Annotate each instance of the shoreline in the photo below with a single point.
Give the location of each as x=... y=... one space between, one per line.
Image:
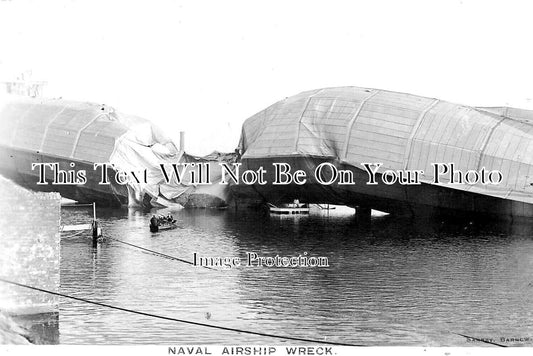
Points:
x=11 y=332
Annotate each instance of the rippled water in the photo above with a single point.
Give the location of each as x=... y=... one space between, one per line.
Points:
x=391 y=282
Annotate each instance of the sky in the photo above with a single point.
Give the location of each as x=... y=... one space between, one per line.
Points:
x=204 y=67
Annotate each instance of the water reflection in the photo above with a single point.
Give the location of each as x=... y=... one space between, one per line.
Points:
x=391 y=282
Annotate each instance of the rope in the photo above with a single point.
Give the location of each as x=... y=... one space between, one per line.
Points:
x=175 y=319
x=158 y=253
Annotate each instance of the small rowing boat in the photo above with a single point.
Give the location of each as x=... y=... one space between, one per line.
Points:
x=289 y=209
x=162 y=224
x=168 y=226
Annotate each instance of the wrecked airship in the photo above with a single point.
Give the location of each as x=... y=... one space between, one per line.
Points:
x=349 y=126
x=62 y=137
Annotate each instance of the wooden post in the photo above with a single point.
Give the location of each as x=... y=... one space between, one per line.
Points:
x=95 y=226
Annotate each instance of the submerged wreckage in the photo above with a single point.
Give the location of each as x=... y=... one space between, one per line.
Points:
x=344 y=127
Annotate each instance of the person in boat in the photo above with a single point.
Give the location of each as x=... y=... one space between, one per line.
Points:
x=154 y=224
x=295 y=204
x=170 y=218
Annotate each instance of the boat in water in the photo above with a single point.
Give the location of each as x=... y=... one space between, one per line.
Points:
x=162 y=223
x=290 y=209
x=165 y=226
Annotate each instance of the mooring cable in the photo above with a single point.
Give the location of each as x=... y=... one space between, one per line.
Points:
x=158 y=253
x=177 y=320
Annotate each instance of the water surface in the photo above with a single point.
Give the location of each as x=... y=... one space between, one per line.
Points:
x=390 y=282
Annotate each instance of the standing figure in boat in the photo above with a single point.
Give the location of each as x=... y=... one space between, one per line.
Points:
x=154 y=224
